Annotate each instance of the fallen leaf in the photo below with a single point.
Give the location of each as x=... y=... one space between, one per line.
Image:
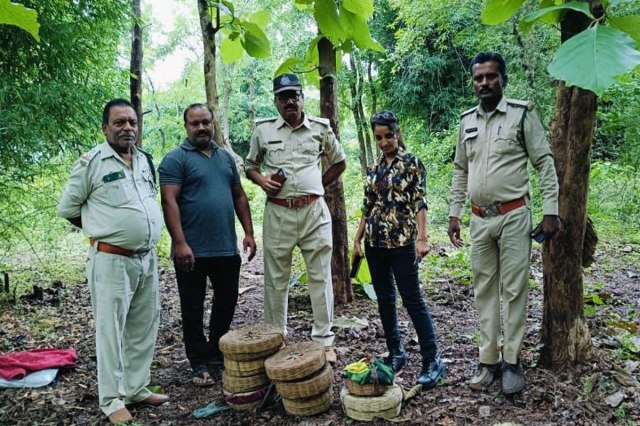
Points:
x=615 y=399
x=484 y=411
x=246 y=289
x=353 y=322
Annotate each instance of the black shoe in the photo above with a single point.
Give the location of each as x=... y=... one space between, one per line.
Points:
x=397 y=358
x=512 y=378
x=432 y=372
x=485 y=375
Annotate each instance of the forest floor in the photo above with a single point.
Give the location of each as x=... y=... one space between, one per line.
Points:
x=602 y=391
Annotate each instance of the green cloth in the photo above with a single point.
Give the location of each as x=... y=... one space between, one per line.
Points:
x=378 y=372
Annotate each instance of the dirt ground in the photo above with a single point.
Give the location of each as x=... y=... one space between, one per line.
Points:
x=604 y=391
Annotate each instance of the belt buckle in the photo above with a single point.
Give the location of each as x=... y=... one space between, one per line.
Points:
x=140 y=253
x=290 y=202
x=491 y=211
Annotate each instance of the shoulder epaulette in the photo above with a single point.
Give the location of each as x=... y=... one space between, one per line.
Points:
x=522 y=104
x=324 y=121
x=86 y=158
x=265 y=120
x=469 y=111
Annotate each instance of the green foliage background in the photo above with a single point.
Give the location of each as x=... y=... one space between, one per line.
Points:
x=52 y=94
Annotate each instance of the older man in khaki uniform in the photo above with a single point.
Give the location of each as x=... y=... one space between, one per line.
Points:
x=495 y=141
x=289 y=148
x=111 y=196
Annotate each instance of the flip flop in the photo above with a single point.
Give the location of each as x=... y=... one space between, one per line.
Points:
x=201 y=377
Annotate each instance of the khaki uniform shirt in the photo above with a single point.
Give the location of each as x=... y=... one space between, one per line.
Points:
x=491 y=158
x=117 y=204
x=275 y=145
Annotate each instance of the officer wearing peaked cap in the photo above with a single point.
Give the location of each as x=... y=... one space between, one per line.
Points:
x=284 y=160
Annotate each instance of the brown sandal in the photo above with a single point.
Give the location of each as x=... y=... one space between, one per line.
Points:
x=201 y=377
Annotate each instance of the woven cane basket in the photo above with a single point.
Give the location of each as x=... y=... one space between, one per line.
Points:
x=366 y=408
x=244 y=368
x=245 y=401
x=295 y=362
x=233 y=384
x=309 y=406
x=369 y=389
x=251 y=342
x=305 y=388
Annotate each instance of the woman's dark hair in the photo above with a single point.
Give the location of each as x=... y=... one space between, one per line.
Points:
x=388 y=119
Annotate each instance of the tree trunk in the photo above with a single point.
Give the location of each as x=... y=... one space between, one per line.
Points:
x=209 y=41
x=372 y=87
x=334 y=193
x=565 y=336
x=365 y=120
x=135 y=67
x=357 y=118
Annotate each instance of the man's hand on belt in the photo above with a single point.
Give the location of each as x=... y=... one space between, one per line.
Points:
x=184 y=258
x=550 y=225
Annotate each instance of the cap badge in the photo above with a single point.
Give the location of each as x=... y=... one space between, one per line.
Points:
x=285 y=80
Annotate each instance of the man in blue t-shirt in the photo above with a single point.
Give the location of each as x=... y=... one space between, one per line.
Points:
x=201 y=190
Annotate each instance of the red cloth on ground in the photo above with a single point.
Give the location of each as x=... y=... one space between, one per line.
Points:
x=16 y=365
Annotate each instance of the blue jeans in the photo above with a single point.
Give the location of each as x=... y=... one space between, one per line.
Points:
x=398 y=267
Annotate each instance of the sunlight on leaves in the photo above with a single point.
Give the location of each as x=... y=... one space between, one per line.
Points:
x=498 y=11
x=20 y=16
x=594 y=58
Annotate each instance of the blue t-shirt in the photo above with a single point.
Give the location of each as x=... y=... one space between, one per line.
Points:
x=206 y=199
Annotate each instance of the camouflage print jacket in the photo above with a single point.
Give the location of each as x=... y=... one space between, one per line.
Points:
x=393 y=196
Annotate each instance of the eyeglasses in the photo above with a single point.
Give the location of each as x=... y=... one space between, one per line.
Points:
x=384 y=117
x=285 y=96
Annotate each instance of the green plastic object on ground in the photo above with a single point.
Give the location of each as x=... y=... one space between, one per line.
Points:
x=368 y=371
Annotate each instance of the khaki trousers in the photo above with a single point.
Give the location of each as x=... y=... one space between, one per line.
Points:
x=500 y=251
x=126 y=310
x=309 y=228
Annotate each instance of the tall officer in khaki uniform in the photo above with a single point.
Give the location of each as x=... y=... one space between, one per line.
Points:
x=111 y=196
x=495 y=141
x=296 y=213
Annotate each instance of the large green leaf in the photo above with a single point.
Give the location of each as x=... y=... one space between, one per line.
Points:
x=328 y=21
x=628 y=24
x=362 y=8
x=261 y=18
x=231 y=50
x=224 y=7
x=255 y=41
x=498 y=11
x=358 y=30
x=554 y=14
x=594 y=58
x=290 y=65
x=20 y=16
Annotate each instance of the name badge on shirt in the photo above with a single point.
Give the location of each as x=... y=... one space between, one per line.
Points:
x=113 y=176
x=274 y=142
x=471 y=130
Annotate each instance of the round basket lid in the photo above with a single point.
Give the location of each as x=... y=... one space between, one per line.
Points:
x=314 y=385
x=296 y=361
x=256 y=338
x=233 y=384
x=374 y=405
x=309 y=406
x=244 y=368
